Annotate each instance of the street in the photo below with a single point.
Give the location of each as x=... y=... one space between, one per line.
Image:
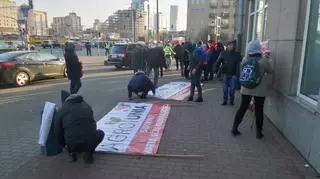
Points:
x=201 y=129
x=102 y=87
x=59 y=51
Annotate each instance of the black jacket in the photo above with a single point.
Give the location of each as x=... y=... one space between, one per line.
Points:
x=74 y=122
x=74 y=67
x=230 y=61
x=156 y=57
x=140 y=82
x=179 y=50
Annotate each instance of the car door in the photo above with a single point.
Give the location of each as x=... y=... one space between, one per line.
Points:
x=32 y=62
x=52 y=65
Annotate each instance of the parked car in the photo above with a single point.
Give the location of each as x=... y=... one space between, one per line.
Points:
x=22 y=67
x=50 y=43
x=119 y=55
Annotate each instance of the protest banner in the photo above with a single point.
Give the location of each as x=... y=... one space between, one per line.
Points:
x=133 y=128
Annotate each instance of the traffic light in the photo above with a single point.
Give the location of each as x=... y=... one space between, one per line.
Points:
x=31 y=4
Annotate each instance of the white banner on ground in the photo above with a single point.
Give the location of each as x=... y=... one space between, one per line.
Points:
x=133 y=128
x=46 y=121
x=173 y=90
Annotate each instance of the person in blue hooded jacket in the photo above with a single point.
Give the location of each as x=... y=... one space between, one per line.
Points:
x=198 y=57
x=140 y=83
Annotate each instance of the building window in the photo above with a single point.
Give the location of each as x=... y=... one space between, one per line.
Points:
x=310 y=81
x=258 y=20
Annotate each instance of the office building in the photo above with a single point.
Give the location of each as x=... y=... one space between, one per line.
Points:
x=214 y=18
x=163 y=26
x=290 y=29
x=173 y=17
x=37 y=23
x=69 y=25
x=9 y=16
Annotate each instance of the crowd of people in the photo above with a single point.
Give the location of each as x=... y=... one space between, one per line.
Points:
x=76 y=129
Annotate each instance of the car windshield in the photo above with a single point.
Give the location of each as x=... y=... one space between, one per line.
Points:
x=7 y=56
x=117 y=49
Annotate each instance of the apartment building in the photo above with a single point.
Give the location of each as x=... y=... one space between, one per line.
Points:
x=37 y=23
x=8 y=16
x=68 y=25
x=215 y=18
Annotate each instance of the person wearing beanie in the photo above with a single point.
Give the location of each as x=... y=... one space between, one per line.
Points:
x=75 y=127
x=230 y=61
x=258 y=92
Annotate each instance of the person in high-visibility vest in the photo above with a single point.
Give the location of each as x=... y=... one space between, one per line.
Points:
x=108 y=47
x=167 y=54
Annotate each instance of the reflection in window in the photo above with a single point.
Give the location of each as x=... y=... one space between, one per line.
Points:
x=310 y=84
x=259 y=25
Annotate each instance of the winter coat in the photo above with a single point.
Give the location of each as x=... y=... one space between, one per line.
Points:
x=74 y=67
x=156 y=57
x=74 y=122
x=179 y=50
x=140 y=82
x=266 y=68
x=230 y=61
x=198 y=57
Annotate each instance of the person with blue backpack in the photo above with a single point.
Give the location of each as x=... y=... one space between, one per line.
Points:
x=198 y=57
x=253 y=85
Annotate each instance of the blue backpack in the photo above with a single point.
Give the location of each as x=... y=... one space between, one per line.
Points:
x=250 y=76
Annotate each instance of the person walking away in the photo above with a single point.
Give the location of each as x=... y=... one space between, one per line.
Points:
x=108 y=47
x=140 y=83
x=167 y=54
x=213 y=57
x=179 y=52
x=230 y=61
x=75 y=127
x=254 y=85
x=88 y=47
x=205 y=66
x=188 y=48
x=198 y=57
x=155 y=61
x=74 y=68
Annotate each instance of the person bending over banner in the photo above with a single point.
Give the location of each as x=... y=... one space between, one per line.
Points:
x=140 y=83
x=75 y=127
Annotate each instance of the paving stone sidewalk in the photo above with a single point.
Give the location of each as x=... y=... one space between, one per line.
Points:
x=202 y=129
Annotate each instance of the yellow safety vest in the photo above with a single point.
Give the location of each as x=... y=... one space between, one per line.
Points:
x=167 y=51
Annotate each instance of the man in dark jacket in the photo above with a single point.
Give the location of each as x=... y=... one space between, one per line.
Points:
x=230 y=60
x=74 y=68
x=76 y=128
x=88 y=47
x=140 y=83
x=198 y=57
x=155 y=62
x=179 y=53
x=188 y=49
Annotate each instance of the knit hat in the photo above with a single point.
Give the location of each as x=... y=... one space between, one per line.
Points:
x=254 y=47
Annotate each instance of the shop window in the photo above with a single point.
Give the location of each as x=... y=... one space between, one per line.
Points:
x=310 y=81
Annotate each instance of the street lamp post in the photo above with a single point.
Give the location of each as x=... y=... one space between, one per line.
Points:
x=158 y=21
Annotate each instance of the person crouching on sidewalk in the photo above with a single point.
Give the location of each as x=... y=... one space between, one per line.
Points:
x=75 y=127
x=140 y=83
x=198 y=58
x=258 y=91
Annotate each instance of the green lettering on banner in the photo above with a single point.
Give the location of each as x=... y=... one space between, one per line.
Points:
x=117 y=138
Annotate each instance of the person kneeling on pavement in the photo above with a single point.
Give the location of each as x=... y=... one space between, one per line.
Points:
x=75 y=127
x=140 y=83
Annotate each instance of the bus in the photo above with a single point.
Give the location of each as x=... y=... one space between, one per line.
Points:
x=37 y=40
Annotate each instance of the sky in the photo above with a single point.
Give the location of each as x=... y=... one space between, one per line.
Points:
x=101 y=9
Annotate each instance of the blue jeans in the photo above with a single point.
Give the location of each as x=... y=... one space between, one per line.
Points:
x=229 y=87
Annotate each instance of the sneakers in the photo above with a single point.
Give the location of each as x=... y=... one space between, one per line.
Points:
x=224 y=103
x=235 y=132
x=199 y=100
x=88 y=158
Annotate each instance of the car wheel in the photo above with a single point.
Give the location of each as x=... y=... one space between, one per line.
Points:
x=65 y=74
x=118 y=66
x=22 y=79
